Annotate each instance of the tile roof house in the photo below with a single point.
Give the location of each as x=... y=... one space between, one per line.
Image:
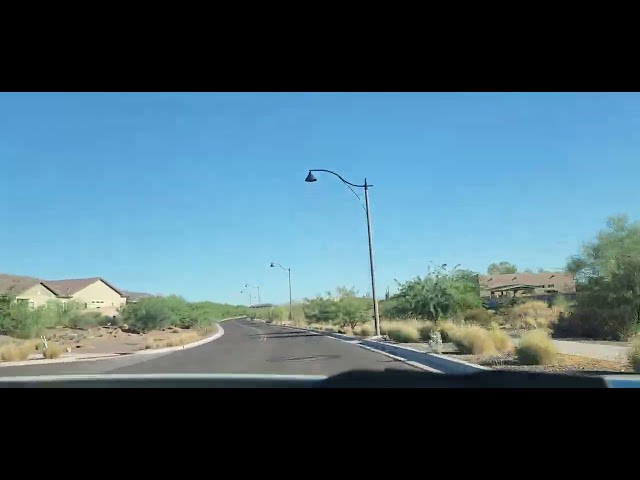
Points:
x=534 y=283
x=94 y=292
x=26 y=289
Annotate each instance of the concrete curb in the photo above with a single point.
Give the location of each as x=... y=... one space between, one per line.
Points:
x=428 y=361
x=109 y=356
x=213 y=337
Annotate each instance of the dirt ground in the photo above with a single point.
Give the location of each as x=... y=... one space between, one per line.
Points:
x=565 y=364
x=113 y=339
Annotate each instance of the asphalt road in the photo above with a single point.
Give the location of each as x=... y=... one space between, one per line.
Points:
x=246 y=347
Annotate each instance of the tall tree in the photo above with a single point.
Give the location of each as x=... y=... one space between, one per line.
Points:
x=609 y=251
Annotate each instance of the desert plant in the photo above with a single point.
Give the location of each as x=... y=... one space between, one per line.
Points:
x=402 y=332
x=634 y=354
x=364 y=330
x=446 y=327
x=426 y=330
x=479 y=316
x=14 y=352
x=536 y=348
x=53 y=350
x=501 y=340
x=532 y=315
x=474 y=340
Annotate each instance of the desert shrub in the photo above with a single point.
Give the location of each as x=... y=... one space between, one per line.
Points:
x=536 y=348
x=501 y=341
x=634 y=354
x=425 y=329
x=364 y=330
x=403 y=332
x=53 y=350
x=446 y=328
x=473 y=340
x=479 y=316
x=605 y=324
x=15 y=352
x=532 y=315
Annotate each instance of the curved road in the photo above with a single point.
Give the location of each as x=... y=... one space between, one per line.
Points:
x=245 y=347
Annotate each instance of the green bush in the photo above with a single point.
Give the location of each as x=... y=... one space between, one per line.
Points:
x=479 y=316
x=161 y=312
x=604 y=324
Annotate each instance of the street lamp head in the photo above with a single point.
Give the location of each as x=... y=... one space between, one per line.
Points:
x=310 y=178
x=272 y=265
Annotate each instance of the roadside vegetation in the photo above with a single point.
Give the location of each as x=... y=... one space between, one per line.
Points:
x=154 y=322
x=444 y=307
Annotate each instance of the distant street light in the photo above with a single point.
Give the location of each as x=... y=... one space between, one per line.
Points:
x=274 y=264
x=250 y=302
x=246 y=285
x=310 y=178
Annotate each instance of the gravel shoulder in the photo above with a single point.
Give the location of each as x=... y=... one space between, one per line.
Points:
x=566 y=364
x=612 y=358
x=108 y=340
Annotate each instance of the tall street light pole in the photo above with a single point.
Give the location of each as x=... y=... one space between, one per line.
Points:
x=246 y=285
x=310 y=178
x=288 y=270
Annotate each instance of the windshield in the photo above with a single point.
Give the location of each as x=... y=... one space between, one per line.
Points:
x=319 y=233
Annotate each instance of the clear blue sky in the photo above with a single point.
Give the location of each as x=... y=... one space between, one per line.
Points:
x=197 y=193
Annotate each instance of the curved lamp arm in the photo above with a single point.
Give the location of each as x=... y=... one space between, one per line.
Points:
x=334 y=173
x=274 y=264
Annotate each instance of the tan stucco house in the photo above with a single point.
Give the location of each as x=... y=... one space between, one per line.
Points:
x=29 y=290
x=91 y=293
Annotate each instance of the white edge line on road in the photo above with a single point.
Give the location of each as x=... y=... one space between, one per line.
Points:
x=403 y=360
x=217 y=335
x=457 y=360
x=112 y=356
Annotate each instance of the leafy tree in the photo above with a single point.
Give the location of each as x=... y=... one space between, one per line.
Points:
x=345 y=307
x=620 y=240
x=438 y=294
x=608 y=272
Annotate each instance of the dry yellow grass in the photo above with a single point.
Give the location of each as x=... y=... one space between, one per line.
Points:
x=479 y=316
x=536 y=348
x=15 y=352
x=53 y=350
x=634 y=354
x=403 y=332
x=346 y=330
x=425 y=329
x=173 y=341
x=533 y=315
x=473 y=340
x=365 y=330
x=446 y=327
x=501 y=341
